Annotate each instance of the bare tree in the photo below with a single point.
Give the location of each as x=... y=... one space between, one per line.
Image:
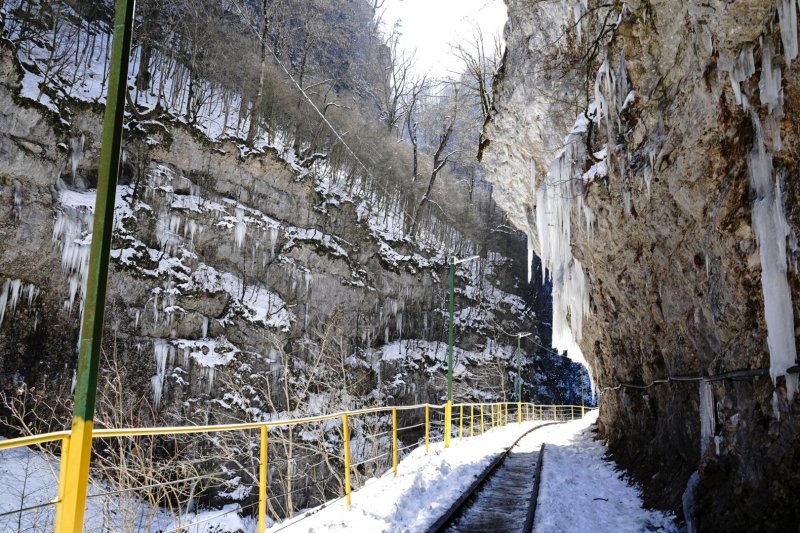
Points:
x=480 y=67
x=395 y=82
x=441 y=155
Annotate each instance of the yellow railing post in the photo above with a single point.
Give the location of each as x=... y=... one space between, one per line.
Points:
x=62 y=472
x=394 y=441
x=448 y=422
x=427 y=425
x=519 y=412
x=346 y=437
x=491 y=411
x=583 y=410
x=471 y=420
x=262 y=483
x=460 y=422
x=571 y=412
x=482 y=427
x=508 y=419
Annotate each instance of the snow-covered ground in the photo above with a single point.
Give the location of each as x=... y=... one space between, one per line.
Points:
x=580 y=491
x=576 y=481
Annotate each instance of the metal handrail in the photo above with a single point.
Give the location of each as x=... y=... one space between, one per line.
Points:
x=484 y=415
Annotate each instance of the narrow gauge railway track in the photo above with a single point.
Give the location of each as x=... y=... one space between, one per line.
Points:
x=502 y=497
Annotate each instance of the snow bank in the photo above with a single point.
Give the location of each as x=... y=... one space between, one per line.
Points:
x=581 y=491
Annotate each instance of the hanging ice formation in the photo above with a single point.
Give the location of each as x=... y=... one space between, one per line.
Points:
x=240 y=230
x=554 y=204
x=163 y=352
x=707 y=418
x=771 y=229
x=11 y=292
x=76 y=155
x=768 y=216
x=73 y=230
x=17 y=200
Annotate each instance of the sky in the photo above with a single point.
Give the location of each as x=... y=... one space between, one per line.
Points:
x=431 y=26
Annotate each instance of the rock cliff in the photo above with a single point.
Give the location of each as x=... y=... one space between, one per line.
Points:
x=650 y=151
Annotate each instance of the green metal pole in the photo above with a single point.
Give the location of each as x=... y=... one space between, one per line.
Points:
x=450 y=331
x=80 y=448
x=448 y=410
x=519 y=370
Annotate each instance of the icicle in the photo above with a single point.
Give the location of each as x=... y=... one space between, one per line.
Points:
x=707 y=418
x=17 y=200
x=4 y=299
x=743 y=67
x=529 y=235
x=787 y=15
x=240 y=229
x=73 y=230
x=622 y=86
x=273 y=239
x=771 y=229
x=770 y=91
x=554 y=202
x=76 y=154
x=162 y=351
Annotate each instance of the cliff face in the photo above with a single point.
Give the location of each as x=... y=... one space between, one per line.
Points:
x=650 y=150
x=231 y=269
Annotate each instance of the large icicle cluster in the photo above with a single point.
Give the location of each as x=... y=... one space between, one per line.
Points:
x=10 y=293
x=558 y=193
x=768 y=216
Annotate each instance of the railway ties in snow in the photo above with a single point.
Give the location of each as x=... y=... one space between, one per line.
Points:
x=503 y=497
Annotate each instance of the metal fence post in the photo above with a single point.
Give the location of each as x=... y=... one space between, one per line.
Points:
x=262 y=483
x=394 y=441
x=448 y=422
x=62 y=472
x=460 y=422
x=519 y=412
x=482 y=427
x=346 y=437
x=427 y=426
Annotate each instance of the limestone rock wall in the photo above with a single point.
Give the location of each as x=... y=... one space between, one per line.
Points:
x=228 y=268
x=667 y=130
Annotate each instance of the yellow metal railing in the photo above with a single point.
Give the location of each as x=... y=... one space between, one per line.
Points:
x=469 y=414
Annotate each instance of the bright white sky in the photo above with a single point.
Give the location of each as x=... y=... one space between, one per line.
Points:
x=431 y=26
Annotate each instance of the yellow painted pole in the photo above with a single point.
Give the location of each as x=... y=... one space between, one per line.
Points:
x=448 y=422
x=519 y=412
x=62 y=472
x=394 y=441
x=346 y=437
x=491 y=411
x=482 y=428
x=460 y=422
x=262 y=483
x=427 y=426
x=506 y=418
x=471 y=420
